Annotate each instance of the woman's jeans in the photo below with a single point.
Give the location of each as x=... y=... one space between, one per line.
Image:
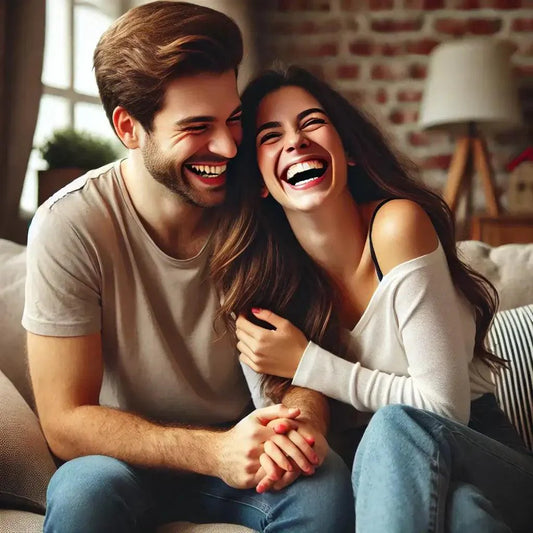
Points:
x=100 y=494
x=417 y=472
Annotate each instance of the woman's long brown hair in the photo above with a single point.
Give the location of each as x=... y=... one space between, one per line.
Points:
x=258 y=262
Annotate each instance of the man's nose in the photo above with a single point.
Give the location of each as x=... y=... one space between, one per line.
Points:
x=224 y=143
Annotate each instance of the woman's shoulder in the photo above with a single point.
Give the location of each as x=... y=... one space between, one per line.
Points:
x=401 y=231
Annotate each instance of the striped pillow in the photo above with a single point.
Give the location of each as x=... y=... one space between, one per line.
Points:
x=511 y=337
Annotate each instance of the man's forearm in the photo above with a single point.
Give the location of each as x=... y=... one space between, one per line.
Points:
x=98 y=430
x=313 y=406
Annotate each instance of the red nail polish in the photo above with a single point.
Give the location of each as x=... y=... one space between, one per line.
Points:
x=256 y=310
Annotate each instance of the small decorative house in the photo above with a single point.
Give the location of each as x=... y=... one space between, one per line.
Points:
x=520 y=189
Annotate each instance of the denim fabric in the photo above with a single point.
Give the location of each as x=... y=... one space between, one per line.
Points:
x=415 y=471
x=100 y=494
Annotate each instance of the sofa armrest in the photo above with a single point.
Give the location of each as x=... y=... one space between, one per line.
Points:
x=26 y=464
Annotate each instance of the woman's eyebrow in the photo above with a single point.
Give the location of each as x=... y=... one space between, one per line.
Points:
x=303 y=114
x=266 y=126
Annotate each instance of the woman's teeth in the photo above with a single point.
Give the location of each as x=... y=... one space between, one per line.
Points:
x=301 y=173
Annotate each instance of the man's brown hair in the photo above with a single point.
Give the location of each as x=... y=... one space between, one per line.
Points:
x=155 y=43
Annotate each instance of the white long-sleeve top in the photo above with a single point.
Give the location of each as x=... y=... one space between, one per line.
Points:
x=414 y=345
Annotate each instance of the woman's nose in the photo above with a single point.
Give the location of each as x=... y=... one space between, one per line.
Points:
x=296 y=140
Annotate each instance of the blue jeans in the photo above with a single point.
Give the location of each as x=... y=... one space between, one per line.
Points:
x=415 y=471
x=99 y=494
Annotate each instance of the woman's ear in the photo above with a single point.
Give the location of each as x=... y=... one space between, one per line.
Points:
x=350 y=160
x=264 y=191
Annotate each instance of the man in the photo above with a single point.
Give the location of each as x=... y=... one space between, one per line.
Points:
x=136 y=391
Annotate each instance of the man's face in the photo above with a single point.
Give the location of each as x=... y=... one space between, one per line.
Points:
x=194 y=135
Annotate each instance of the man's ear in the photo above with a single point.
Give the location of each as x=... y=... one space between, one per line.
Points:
x=350 y=160
x=127 y=128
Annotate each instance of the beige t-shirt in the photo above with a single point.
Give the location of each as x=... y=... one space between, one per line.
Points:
x=93 y=267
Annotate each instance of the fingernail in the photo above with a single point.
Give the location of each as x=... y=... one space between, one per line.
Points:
x=256 y=310
x=260 y=489
x=280 y=428
x=310 y=441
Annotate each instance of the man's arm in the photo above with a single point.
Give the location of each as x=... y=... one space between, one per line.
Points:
x=67 y=373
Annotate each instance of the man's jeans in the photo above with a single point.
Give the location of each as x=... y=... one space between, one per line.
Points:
x=418 y=472
x=100 y=494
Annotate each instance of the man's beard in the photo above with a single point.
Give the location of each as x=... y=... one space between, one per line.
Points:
x=164 y=172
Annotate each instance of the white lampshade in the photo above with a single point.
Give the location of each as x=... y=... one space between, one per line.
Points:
x=470 y=80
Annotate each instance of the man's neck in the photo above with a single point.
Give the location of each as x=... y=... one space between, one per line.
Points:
x=179 y=229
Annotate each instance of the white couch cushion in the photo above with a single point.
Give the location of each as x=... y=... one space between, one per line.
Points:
x=509 y=267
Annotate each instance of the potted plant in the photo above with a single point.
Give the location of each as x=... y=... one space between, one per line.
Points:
x=70 y=153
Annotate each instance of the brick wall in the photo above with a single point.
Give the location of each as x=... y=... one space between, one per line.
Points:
x=376 y=53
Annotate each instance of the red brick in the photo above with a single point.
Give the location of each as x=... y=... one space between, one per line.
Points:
x=303 y=5
x=436 y=162
x=465 y=4
x=381 y=96
x=421 y=138
x=416 y=138
x=347 y=71
x=478 y=26
x=390 y=49
x=373 y=5
x=390 y=25
x=361 y=47
x=316 y=70
x=523 y=71
x=424 y=4
x=387 y=72
x=506 y=4
x=421 y=47
x=409 y=95
x=522 y=25
x=403 y=116
x=418 y=72
x=450 y=26
x=356 y=96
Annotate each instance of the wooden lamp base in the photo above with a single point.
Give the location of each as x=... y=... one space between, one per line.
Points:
x=471 y=149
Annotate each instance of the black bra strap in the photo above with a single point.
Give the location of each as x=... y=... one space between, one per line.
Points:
x=372 y=252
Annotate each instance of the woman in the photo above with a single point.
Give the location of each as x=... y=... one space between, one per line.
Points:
x=352 y=267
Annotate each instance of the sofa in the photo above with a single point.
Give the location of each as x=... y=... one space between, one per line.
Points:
x=26 y=464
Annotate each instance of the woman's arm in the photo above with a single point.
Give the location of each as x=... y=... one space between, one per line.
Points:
x=437 y=338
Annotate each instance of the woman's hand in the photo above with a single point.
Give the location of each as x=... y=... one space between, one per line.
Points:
x=276 y=352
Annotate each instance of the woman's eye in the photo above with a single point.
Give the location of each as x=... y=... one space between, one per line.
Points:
x=267 y=137
x=313 y=121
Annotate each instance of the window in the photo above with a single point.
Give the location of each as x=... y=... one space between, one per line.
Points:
x=70 y=96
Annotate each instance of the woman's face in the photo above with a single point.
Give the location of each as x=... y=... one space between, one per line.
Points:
x=299 y=152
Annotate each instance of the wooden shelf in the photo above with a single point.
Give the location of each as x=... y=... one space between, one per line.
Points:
x=502 y=229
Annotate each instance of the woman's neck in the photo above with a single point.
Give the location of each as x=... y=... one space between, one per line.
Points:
x=333 y=235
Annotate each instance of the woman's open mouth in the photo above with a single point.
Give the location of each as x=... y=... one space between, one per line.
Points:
x=305 y=173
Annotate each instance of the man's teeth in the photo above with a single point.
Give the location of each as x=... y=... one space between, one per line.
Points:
x=302 y=167
x=209 y=171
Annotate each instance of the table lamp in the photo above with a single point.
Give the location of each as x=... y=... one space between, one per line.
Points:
x=470 y=89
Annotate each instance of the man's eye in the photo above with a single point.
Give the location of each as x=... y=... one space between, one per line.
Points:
x=199 y=128
x=268 y=137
